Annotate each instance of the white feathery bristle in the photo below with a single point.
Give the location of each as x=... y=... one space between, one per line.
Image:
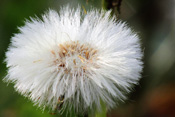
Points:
x=74 y=60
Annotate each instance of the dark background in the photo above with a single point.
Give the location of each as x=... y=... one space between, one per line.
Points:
x=153 y=20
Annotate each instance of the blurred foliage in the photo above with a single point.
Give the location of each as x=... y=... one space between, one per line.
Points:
x=154 y=20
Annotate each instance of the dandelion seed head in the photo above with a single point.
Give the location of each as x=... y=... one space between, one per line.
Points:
x=73 y=60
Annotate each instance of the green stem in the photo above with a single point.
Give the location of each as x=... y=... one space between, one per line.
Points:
x=104 y=4
x=103 y=111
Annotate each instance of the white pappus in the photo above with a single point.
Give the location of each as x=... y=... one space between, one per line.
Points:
x=74 y=60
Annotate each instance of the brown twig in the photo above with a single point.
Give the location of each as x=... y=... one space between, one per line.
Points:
x=115 y=5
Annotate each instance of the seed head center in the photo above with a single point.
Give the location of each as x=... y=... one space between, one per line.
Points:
x=74 y=55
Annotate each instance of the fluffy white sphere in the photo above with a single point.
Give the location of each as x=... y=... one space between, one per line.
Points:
x=74 y=60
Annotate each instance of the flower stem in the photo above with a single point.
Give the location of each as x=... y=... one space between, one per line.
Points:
x=103 y=111
x=104 y=4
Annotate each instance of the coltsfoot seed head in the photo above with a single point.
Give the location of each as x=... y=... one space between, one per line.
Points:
x=74 y=60
x=73 y=56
